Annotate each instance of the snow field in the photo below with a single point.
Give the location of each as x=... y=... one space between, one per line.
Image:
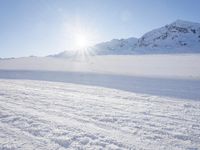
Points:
x=50 y=115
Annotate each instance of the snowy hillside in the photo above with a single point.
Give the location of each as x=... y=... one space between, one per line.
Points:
x=177 y=37
x=44 y=115
x=115 y=46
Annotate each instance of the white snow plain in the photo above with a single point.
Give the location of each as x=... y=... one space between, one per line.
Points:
x=165 y=66
x=100 y=102
x=50 y=115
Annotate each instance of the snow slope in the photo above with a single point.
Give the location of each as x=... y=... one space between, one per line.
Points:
x=115 y=46
x=45 y=115
x=177 y=37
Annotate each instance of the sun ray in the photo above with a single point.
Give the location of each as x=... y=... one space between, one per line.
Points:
x=82 y=41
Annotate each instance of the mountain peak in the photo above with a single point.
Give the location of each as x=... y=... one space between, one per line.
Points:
x=183 y=23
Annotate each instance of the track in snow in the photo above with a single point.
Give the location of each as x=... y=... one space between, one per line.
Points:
x=47 y=115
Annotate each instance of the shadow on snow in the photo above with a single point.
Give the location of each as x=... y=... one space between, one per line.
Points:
x=177 y=88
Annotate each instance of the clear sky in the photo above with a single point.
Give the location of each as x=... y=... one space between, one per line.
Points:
x=42 y=27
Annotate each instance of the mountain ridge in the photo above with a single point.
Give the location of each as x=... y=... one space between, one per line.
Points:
x=178 y=37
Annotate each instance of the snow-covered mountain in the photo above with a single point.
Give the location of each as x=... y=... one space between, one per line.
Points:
x=116 y=46
x=177 y=37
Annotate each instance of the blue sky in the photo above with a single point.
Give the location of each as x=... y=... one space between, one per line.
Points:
x=42 y=27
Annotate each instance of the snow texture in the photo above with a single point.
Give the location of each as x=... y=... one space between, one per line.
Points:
x=47 y=115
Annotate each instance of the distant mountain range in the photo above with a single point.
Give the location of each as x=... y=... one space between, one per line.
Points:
x=177 y=37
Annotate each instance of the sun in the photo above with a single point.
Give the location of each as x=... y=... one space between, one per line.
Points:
x=82 y=41
x=80 y=36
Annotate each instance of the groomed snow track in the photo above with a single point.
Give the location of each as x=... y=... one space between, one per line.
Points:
x=49 y=115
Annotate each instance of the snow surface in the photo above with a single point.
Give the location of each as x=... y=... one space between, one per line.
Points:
x=177 y=88
x=163 y=66
x=48 y=115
